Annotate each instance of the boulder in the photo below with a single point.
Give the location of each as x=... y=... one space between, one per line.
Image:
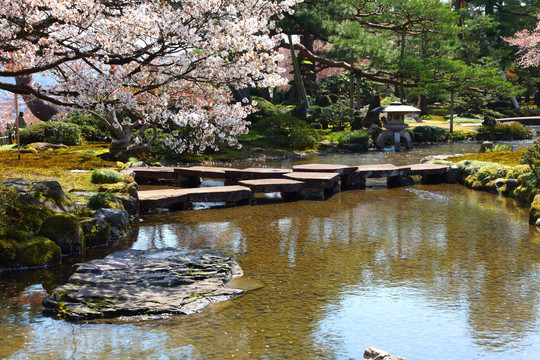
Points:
x=486 y=145
x=48 y=194
x=96 y=232
x=130 y=204
x=37 y=252
x=44 y=146
x=64 y=230
x=156 y=282
x=376 y=354
x=117 y=219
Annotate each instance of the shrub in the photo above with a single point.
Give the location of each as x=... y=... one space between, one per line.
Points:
x=532 y=158
x=357 y=139
x=336 y=115
x=425 y=133
x=462 y=134
x=512 y=131
x=106 y=176
x=92 y=129
x=499 y=147
x=54 y=132
x=101 y=200
x=264 y=109
x=289 y=131
x=492 y=113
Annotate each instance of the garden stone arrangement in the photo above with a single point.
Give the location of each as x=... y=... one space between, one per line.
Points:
x=155 y=282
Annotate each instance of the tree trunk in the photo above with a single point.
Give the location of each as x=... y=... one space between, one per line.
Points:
x=39 y=108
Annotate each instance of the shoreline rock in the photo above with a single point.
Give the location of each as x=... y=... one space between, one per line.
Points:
x=145 y=283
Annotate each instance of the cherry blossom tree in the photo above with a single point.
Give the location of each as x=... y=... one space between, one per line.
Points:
x=528 y=43
x=144 y=64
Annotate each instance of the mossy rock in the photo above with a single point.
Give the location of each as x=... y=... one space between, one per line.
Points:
x=534 y=212
x=8 y=253
x=96 y=233
x=121 y=187
x=37 y=252
x=64 y=229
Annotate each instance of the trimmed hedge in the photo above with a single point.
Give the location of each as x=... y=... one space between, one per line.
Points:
x=54 y=132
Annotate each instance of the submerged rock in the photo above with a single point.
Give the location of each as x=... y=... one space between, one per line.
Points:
x=376 y=354
x=152 y=282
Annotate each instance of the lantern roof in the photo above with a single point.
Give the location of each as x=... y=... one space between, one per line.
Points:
x=396 y=107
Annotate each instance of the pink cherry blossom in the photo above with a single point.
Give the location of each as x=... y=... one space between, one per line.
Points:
x=159 y=61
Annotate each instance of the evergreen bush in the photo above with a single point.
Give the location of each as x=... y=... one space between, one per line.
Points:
x=512 y=131
x=54 y=132
x=462 y=134
x=426 y=133
x=92 y=129
x=360 y=140
x=288 y=131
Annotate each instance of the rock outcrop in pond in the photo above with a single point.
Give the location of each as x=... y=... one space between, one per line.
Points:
x=152 y=282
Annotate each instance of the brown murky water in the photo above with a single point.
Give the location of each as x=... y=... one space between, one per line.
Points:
x=426 y=272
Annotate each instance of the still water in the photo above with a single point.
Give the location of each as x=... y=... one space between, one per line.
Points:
x=425 y=272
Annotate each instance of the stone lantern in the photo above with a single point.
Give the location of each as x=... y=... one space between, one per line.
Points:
x=395 y=125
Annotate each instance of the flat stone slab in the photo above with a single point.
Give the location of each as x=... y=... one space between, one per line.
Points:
x=209 y=172
x=164 y=198
x=228 y=194
x=340 y=169
x=154 y=173
x=383 y=170
x=322 y=180
x=273 y=185
x=153 y=283
x=428 y=169
x=256 y=173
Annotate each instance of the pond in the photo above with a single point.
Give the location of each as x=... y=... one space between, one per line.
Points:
x=425 y=272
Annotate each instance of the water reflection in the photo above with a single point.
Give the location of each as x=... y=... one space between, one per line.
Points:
x=458 y=267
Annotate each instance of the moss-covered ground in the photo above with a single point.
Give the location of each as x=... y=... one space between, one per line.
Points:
x=56 y=165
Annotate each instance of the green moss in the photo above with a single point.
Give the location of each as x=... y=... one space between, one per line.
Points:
x=38 y=251
x=534 y=212
x=94 y=234
x=106 y=176
x=104 y=200
x=65 y=230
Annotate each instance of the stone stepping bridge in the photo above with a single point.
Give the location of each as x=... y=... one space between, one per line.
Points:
x=308 y=181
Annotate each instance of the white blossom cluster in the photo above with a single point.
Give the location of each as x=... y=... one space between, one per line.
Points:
x=160 y=60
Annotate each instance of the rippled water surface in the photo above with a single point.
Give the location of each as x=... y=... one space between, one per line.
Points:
x=425 y=272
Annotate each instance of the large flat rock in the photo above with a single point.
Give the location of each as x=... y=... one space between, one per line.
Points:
x=164 y=198
x=382 y=170
x=256 y=173
x=340 y=169
x=322 y=180
x=153 y=173
x=428 y=169
x=228 y=194
x=153 y=282
x=273 y=185
x=209 y=172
